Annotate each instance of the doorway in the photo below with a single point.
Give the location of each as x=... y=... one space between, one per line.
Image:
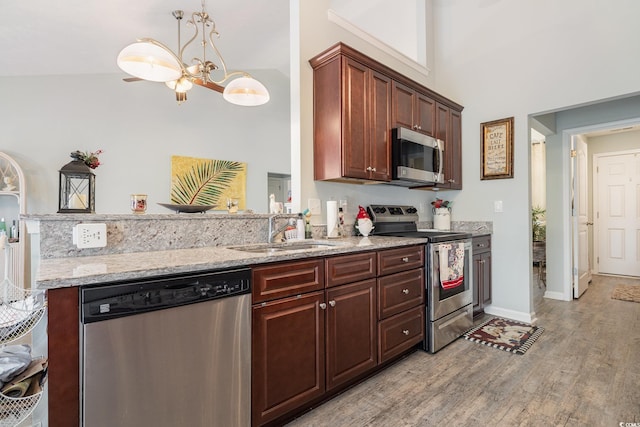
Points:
x=600 y=139
x=280 y=186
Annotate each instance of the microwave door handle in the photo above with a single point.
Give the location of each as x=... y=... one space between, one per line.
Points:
x=440 y=144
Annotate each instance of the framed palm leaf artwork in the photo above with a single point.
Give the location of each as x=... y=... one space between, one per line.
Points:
x=209 y=182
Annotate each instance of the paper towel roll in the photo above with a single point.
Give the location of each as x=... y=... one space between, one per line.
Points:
x=332 y=218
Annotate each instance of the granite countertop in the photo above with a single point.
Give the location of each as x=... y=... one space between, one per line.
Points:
x=86 y=270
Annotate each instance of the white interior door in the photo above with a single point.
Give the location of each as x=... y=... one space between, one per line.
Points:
x=618 y=216
x=582 y=267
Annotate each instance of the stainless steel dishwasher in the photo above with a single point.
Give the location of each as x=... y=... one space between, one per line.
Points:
x=168 y=352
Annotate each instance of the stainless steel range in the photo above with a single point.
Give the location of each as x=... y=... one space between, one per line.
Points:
x=448 y=272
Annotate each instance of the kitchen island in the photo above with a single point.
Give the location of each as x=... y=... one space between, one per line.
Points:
x=63 y=277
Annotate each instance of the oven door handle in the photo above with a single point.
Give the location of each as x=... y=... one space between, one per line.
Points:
x=450 y=321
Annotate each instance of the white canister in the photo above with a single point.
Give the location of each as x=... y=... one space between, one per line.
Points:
x=442 y=219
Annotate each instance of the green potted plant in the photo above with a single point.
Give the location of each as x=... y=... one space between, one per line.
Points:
x=538 y=224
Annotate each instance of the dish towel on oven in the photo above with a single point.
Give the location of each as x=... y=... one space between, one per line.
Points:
x=451 y=265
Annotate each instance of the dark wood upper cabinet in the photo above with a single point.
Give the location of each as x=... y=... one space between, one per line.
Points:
x=357 y=101
x=412 y=109
x=449 y=129
x=351 y=122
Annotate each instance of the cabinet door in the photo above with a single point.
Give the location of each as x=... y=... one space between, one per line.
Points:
x=403 y=102
x=486 y=279
x=287 y=355
x=379 y=127
x=477 y=282
x=355 y=158
x=481 y=282
x=351 y=338
x=425 y=112
x=455 y=150
x=443 y=117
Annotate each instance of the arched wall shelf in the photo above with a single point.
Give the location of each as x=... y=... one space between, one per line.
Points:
x=13 y=200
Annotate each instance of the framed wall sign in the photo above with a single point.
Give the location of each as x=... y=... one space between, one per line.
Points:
x=497 y=149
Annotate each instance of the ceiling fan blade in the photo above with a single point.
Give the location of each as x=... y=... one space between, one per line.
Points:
x=208 y=85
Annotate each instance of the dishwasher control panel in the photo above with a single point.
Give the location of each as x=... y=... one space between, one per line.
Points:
x=109 y=301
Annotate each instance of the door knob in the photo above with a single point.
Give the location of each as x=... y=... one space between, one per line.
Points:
x=323 y=305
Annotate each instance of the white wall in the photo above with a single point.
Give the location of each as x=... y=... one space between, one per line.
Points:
x=498 y=59
x=316 y=35
x=502 y=59
x=139 y=126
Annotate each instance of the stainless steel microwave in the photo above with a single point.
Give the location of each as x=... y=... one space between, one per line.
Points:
x=416 y=159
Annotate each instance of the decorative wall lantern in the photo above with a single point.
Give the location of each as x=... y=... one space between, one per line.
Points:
x=77 y=188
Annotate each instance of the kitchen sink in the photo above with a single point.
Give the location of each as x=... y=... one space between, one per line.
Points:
x=272 y=248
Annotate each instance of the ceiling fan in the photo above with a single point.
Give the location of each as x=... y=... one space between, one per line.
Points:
x=151 y=60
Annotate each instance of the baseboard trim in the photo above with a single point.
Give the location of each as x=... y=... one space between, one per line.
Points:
x=509 y=314
x=555 y=295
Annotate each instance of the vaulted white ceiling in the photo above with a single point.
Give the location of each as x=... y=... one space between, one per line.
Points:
x=41 y=37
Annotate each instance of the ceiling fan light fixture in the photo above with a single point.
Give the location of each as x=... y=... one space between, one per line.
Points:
x=246 y=91
x=149 y=61
x=183 y=84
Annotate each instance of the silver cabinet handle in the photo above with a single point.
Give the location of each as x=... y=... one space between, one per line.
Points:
x=415 y=126
x=419 y=127
x=453 y=181
x=405 y=291
x=406 y=332
x=373 y=169
x=332 y=303
x=323 y=305
x=405 y=259
x=369 y=168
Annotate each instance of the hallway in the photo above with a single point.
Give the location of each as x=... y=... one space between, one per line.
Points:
x=584 y=370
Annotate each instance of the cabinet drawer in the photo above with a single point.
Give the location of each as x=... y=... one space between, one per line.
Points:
x=287 y=279
x=400 y=332
x=350 y=268
x=401 y=259
x=399 y=292
x=481 y=244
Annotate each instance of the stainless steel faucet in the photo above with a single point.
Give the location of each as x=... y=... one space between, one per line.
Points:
x=273 y=231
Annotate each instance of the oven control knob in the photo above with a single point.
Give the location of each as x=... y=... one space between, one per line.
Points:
x=412 y=210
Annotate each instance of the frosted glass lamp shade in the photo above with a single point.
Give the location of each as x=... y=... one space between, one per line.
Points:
x=246 y=91
x=149 y=61
x=181 y=85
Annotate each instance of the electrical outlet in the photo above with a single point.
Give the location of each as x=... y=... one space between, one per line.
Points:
x=90 y=235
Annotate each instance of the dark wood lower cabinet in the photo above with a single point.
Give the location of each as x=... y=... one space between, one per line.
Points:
x=351 y=340
x=481 y=273
x=305 y=345
x=63 y=333
x=308 y=347
x=287 y=353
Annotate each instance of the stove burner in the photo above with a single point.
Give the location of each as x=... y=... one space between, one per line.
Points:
x=401 y=221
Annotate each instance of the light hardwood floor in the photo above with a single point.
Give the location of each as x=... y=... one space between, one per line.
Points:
x=584 y=370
